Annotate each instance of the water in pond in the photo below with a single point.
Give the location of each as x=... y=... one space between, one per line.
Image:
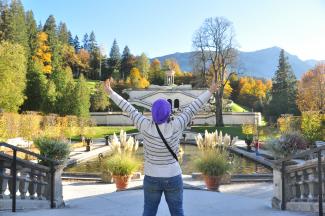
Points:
x=243 y=165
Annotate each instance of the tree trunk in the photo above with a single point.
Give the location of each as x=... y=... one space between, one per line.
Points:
x=218 y=112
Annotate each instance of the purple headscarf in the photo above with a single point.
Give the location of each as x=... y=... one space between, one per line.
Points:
x=160 y=111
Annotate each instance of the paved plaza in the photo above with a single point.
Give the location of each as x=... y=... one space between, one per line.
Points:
x=96 y=199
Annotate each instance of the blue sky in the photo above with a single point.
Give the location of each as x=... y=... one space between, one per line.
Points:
x=160 y=27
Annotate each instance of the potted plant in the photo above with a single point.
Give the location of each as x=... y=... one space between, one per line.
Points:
x=248 y=130
x=59 y=150
x=214 y=160
x=214 y=165
x=121 y=166
x=122 y=163
x=55 y=149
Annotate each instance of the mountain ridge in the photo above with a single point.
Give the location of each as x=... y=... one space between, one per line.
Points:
x=259 y=63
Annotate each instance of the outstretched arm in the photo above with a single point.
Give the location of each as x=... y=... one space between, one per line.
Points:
x=138 y=119
x=185 y=117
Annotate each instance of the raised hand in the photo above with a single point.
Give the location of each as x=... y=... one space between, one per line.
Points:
x=214 y=86
x=107 y=86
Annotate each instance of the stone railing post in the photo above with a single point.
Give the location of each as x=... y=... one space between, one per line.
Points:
x=277 y=189
x=58 y=190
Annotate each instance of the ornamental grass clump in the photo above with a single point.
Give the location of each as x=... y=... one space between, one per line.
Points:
x=121 y=165
x=214 y=163
x=124 y=145
x=212 y=140
x=123 y=161
x=214 y=157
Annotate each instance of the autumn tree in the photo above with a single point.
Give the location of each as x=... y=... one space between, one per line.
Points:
x=83 y=62
x=136 y=80
x=253 y=92
x=43 y=54
x=214 y=42
x=50 y=29
x=143 y=63
x=171 y=64
x=156 y=75
x=311 y=90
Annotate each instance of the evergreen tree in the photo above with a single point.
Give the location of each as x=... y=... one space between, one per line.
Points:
x=17 y=24
x=4 y=16
x=71 y=41
x=81 y=100
x=31 y=33
x=284 y=89
x=99 y=100
x=76 y=44
x=63 y=33
x=40 y=26
x=95 y=57
x=114 y=61
x=85 y=42
x=36 y=82
x=92 y=43
x=35 y=76
x=64 y=83
x=127 y=63
x=12 y=76
x=48 y=95
x=143 y=64
x=50 y=29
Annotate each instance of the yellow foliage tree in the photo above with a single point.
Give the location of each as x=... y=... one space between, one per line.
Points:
x=311 y=90
x=43 y=53
x=136 y=80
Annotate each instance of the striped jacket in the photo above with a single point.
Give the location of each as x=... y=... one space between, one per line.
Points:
x=158 y=160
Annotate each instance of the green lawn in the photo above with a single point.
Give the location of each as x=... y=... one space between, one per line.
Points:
x=91 y=84
x=236 y=108
x=101 y=131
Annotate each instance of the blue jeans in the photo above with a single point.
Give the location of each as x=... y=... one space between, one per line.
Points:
x=173 y=190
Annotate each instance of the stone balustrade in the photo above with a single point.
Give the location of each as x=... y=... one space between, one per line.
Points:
x=33 y=184
x=300 y=185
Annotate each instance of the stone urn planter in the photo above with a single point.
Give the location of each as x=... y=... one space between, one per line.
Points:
x=249 y=142
x=106 y=177
x=212 y=182
x=121 y=182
